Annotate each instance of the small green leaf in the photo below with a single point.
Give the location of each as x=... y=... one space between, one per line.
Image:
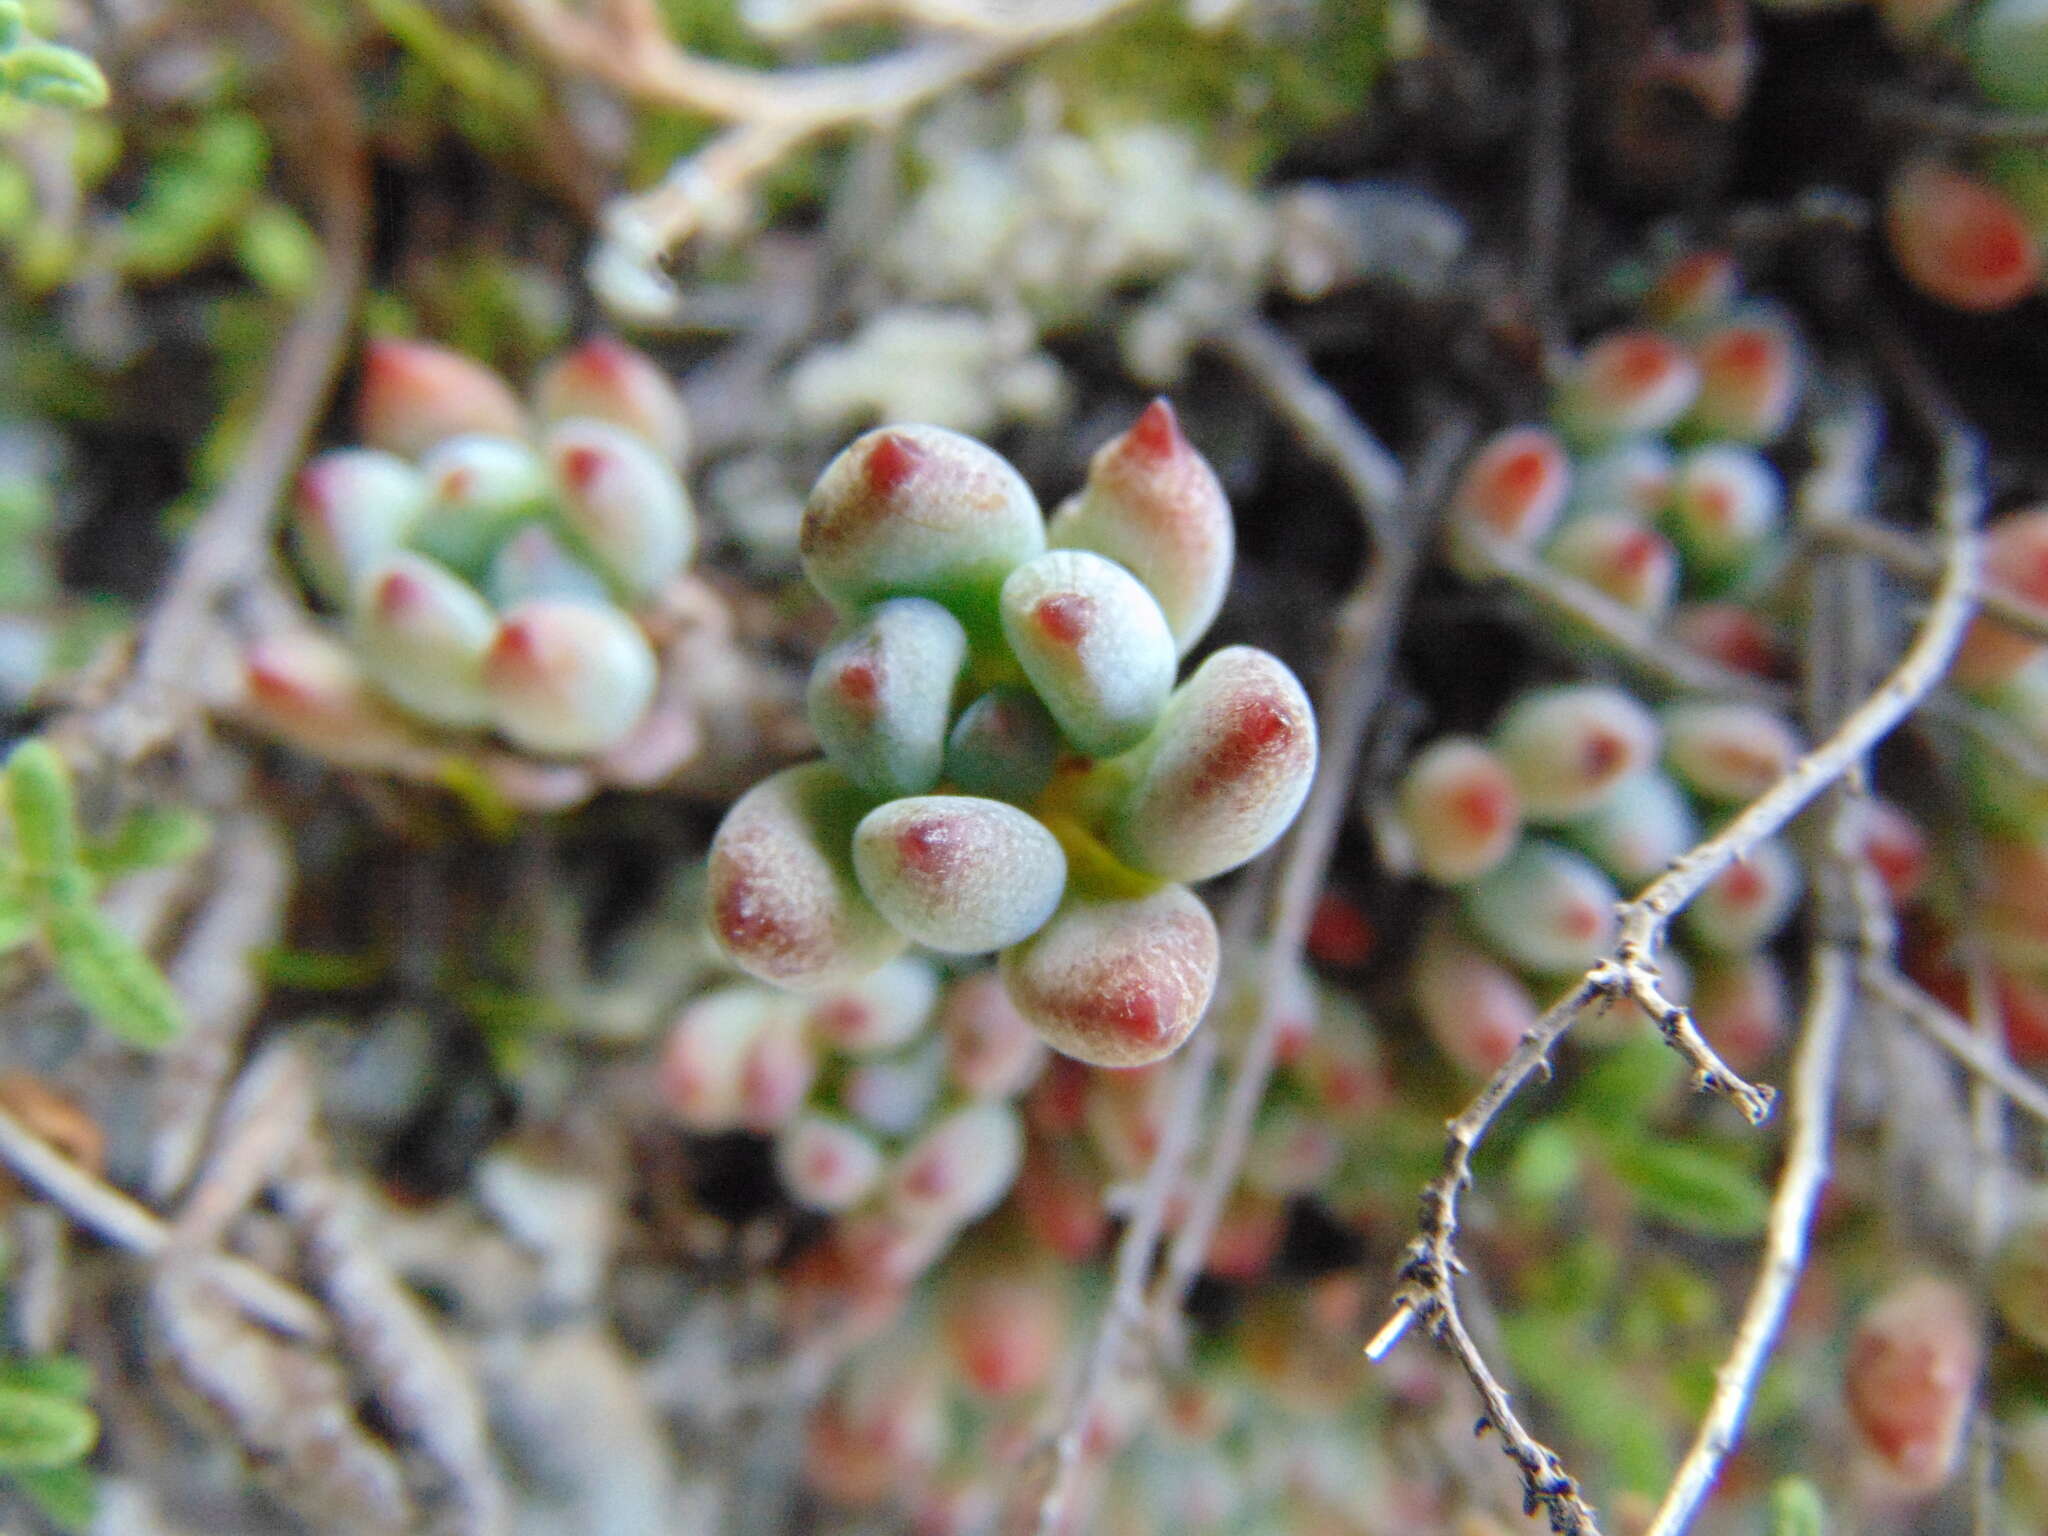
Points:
x=13 y=24
x=18 y=916
x=39 y=1429
x=1692 y=1186
x=1628 y=1081
x=44 y=809
x=277 y=249
x=117 y=983
x=69 y=1497
x=1546 y=1162
x=53 y=75
x=318 y=970
x=1796 y=1509
x=54 y=1375
x=150 y=836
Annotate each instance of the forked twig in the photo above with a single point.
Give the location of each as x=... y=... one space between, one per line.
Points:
x=1630 y=972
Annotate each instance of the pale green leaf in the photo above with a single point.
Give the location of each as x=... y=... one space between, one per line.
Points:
x=43 y=807
x=69 y=1497
x=148 y=837
x=118 y=984
x=42 y=1429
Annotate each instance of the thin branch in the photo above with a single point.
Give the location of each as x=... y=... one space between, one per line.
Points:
x=230 y=541
x=1831 y=988
x=1953 y=1034
x=1133 y=1264
x=1903 y=555
x=1351 y=690
x=1630 y=972
x=114 y=1217
x=1951 y=121
x=1624 y=631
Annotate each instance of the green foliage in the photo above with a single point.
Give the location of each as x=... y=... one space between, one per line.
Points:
x=1693 y=1185
x=50 y=874
x=47 y=74
x=43 y=1429
x=1796 y=1509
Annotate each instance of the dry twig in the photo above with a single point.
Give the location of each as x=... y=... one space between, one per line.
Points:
x=1630 y=972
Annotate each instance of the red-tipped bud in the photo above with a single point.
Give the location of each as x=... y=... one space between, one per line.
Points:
x=1752 y=370
x=1003 y=1330
x=1627 y=384
x=1094 y=644
x=2016 y=564
x=703 y=1061
x=1514 y=488
x=1698 y=287
x=1569 y=747
x=1545 y=910
x=1959 y=240
x=881 y=695
x=1638 y=830
x=1004 y=745
x=785 y=904
x=991 y=1050
x=568 y=678
x=1726 y=508
x=1153 y=505
x=920 y=512
x=1730 y=634
x=421 y=633
x=959 y=874
x=1460 y=809
x=607 y=380
x=482 y=488
x=1474 y=1009
x=877 y=1012
x=960 y=1169
x=1619 y=554
x=353 y=507
x=533 y=564
x=1729 y=753
x=1743 y=1007
x=1225 y=773
x=826 y=1165
x=1910 y=1378
x=1748 y=902
x=1339 y=1065
x=622 y=503
x=309 y=684
x=1117 y=983
x=416 y=394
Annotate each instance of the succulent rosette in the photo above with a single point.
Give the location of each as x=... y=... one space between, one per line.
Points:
x=501 y=574
x=1009 y=764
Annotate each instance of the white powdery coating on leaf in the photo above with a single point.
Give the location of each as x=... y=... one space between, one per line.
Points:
x=960 y=1168
x=880 y=696
x=1727 y=752
x=613 y=382
x=1569 y=747
x=1153 y=505
x=623 y=502
x=1546 y=909
x=1225 y=772
x=917 y=511
x=568 y=678
x=421 y=632
x=826 y=1165
x=1460 y=809
x=1117 y=983
x=960 y=874
x=1094 y=644
x=416 y=394
x=879 y=1011
x=784 y=903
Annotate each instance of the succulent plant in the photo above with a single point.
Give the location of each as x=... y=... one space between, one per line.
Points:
x=1010 y=766
x=486 y=581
